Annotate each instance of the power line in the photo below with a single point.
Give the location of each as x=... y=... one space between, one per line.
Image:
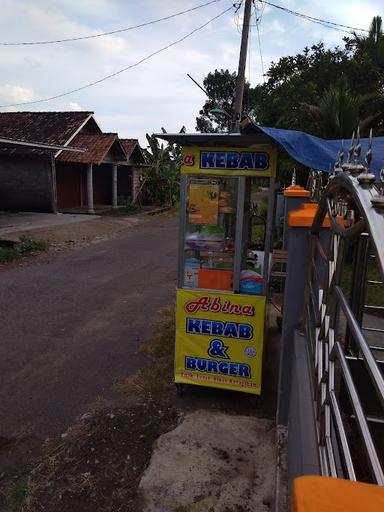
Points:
x=324 y=23
x=258 y=21
x=57 y=96
x=118 y=31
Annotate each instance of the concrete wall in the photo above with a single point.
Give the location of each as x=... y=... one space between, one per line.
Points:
x=135 y=183
x=25 y=183
x=298 y=256
x=302 y=442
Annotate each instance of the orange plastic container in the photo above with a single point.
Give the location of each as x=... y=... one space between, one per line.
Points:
x=211 y=279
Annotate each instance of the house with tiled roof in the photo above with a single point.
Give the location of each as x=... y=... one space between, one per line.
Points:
x=137 y=160
x=101 y=171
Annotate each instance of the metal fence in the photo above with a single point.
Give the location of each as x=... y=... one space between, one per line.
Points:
x=344 y=325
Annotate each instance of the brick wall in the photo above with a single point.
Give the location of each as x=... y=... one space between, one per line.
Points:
x=25 y=183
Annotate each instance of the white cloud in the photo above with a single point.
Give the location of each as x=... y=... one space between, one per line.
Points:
x=158 y=92
x=71 y=106
x=16 y=93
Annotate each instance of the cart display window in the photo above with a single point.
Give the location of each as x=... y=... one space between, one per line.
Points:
x=208 y=252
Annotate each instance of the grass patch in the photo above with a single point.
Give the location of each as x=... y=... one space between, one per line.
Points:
x=374 y=295
x=8 y=254
x=17 y=495
x=26 y=245
x=156 y=377
x=123 y=210
x=258 y=233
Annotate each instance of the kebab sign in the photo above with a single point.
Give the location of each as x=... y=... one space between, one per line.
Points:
x=219 y=340
x=260 y=161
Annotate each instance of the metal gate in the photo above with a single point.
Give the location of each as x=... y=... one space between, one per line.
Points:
x=344 y=324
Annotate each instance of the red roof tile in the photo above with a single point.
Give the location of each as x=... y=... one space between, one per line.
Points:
x=132 y=146
x=47 y=127
x=96 y=145
x=129 y=145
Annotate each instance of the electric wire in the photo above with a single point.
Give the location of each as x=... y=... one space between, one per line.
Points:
x=237 y=16
x=107 y=77
x=258 y=21
x=325 y=23
x=112 y=32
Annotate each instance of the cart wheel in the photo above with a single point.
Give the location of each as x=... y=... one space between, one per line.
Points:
x=180 y=390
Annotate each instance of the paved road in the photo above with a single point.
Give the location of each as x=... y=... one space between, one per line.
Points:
x=71 y=326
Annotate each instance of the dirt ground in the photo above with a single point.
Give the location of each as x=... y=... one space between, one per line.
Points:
x=83 y=233
x=97 y=463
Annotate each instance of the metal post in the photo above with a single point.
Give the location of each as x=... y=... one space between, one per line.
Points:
x=114 y=185
x=268 y=233
x=90 y=188
x=53 y=183
x=239 y=233
x=182 y=221
x=241 y=71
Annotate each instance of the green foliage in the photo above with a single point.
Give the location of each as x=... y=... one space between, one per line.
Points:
x=29 y=244
x=370 y=47
x=162 y=176
x=26 y=245
x=220 y=86
x=325 y=92
x=130 y=209
x=338 y=110
x=17 y=495
x=263 y=208
x=8 y=254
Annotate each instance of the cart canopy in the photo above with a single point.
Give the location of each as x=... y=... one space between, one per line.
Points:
x=311 y=151
x=320 y=154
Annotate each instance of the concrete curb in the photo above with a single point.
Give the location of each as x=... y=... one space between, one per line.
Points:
x=281 y=482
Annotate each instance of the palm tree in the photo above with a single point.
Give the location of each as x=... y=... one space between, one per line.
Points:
x=339 y=112
x=371 y=44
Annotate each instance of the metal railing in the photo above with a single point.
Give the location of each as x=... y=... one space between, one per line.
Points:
x=346 y=370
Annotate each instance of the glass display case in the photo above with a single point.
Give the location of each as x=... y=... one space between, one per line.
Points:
x=218 y=250
x=210 y=233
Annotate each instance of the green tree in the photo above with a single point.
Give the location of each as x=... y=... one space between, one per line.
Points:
x=220 y=87
x=370 y=46
x=298 y=79
x=343 y=86
x=339 y=112
x=161 y=177
x=325 y=92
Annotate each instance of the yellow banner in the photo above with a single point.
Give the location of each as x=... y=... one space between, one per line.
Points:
x=260 y=161
x=219 y=340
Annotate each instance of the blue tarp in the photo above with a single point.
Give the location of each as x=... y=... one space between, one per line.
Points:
x=320 y=154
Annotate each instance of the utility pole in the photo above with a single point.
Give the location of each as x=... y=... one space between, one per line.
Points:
x=235 y=127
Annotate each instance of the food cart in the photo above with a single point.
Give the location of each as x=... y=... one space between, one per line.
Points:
x=222 y=277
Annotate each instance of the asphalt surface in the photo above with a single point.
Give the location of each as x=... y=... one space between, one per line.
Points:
x=72 y=325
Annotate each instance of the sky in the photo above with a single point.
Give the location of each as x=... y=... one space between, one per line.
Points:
x=157 y=93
